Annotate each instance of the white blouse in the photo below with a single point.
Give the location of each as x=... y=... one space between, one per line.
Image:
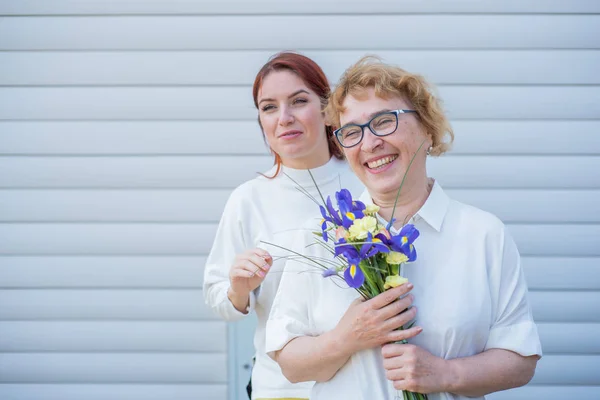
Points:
x=469 y=289
x=271 y=210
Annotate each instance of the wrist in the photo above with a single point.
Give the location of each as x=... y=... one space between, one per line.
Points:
x=339 y=344
x=451 y=376
x=240 y=301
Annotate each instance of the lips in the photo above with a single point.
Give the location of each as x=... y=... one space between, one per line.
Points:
x=381 y=161
x=290 y=134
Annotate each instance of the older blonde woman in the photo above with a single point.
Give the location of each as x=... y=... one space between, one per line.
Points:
x=475 y=332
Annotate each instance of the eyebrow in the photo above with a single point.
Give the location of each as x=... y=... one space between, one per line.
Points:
x=369 y=117
x=297 y=92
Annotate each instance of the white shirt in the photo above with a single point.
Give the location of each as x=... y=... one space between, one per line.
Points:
x=469 y=289
x=271 y=210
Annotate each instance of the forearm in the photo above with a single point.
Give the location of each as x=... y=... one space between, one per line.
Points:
x=310 y=358
x=488 y=372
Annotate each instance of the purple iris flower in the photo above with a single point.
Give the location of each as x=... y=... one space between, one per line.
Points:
x=403 y=241
x=353 y=275
x=349 y=209
x=410 y=231
x=372 y=247
x=342 y=247
x=333 y=213
x=349 y=217
x=368 y=249
x=344 y=200
x=326 y=218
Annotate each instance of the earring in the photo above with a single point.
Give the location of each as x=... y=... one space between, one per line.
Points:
x=429 y=150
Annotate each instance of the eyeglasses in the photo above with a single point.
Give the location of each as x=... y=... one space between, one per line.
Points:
x=382 y=124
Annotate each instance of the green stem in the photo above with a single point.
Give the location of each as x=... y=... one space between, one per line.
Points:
x=404 y=177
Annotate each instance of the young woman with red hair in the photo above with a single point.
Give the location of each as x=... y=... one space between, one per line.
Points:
x=290 y=93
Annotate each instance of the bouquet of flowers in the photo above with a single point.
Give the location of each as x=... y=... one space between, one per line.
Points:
x=372 y=256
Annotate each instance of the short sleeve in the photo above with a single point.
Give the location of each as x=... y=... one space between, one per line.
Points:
x=289 y=317
x=512 y=327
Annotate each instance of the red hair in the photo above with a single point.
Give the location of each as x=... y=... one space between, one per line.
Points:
x=313 y=76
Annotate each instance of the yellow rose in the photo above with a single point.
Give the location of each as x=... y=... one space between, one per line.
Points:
x=394 y=257
x=371 y=209
x=394 y=281
x=361 y=227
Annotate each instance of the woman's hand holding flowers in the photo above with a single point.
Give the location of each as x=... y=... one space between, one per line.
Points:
x=248 y=271
x=371 y=323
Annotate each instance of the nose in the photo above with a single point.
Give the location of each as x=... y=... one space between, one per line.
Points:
x=370 y=142
x=286 y=117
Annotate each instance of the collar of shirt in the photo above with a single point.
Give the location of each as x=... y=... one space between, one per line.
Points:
x=432 y=211
x=302 y=179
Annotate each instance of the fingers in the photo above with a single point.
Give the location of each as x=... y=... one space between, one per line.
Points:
x=394 y=362
x=263 y=254
x=400 y=381
x=404 y=334
x=259 y=265
x=246 y=269
x=399 y=364
x=402 y=384
x=390 y=295
x=255 y=262
x=399 y=320
x=392 y=350
x=396 y=307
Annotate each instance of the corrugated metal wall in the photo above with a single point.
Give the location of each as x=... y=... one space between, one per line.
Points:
x=125 y=124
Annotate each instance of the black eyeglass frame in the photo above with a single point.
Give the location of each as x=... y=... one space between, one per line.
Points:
x=368 y=124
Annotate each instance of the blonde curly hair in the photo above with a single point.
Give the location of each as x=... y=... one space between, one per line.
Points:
x=389 y=81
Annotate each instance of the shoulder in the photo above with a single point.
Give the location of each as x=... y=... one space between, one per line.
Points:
x=240 y=201
x=482 y=228
x=475 y=220
x=249 y=190
x=485 y=238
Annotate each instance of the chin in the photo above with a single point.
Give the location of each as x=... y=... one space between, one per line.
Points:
x=294 y=150
x=380 y=186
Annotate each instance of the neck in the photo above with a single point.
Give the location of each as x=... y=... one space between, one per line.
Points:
x=306 y=162
x=413 y=195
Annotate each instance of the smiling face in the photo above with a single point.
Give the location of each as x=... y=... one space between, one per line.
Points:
x=292 y=120
x=381 y=162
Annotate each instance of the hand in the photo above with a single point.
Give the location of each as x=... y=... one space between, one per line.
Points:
x=371 y=323
x=414 y=369
x=248 y=271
